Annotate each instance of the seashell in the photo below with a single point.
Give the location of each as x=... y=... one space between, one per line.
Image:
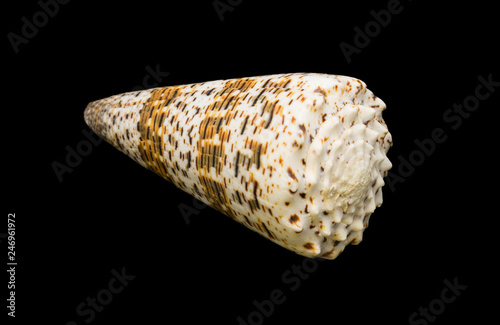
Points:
x=299 y=158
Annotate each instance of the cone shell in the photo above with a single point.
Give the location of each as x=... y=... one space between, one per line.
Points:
x=299 y=158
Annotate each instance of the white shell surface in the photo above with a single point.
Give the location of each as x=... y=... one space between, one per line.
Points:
x=299 y=158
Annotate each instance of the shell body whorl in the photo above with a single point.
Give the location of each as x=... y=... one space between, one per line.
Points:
x=299 y=158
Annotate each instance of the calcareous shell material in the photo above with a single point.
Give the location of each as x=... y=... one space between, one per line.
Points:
x=299 y=158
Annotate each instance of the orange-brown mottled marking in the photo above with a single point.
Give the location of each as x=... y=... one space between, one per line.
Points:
x=216 y=194
x=211 y=153
x=152 y=116
x=309 y=246
x=294 y=219
x=210 y=138
x=242 y=84
x=320 y=90
x=291 y=174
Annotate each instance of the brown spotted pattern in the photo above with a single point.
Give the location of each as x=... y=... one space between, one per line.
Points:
x=298 y=158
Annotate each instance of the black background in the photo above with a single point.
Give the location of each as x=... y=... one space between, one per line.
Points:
x=110 y=213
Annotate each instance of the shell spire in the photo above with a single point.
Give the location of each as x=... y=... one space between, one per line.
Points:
x=299 y=158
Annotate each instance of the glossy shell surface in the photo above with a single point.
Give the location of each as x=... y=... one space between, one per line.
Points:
x=299 y=158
